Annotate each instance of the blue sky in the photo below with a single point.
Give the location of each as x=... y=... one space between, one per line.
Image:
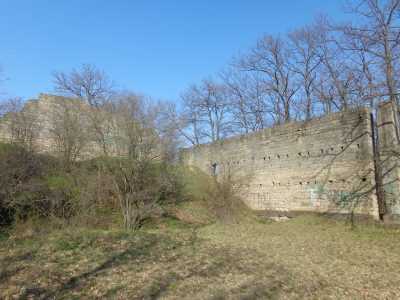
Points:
x=157 y=47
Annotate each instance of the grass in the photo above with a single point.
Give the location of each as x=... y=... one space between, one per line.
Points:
x=305 y=257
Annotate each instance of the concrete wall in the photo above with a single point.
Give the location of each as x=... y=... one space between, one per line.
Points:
x=322 y=165
x=389 y=150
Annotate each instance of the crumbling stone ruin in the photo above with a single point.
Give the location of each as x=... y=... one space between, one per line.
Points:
x=36 y=123
x=326 y=164
x=55 y=124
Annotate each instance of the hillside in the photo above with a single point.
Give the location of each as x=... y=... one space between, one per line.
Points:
x=305 y=257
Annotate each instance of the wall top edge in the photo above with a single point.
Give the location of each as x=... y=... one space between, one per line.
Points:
x=361 y=110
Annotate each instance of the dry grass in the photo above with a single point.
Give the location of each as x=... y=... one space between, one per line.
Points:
x=305 y=257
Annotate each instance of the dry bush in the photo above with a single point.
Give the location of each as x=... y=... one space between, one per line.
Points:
x=20 y=123
x=224 y=191
x=18 y=188
x=131 y=151
x=36 y=186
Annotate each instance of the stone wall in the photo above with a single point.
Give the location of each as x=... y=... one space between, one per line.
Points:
x=389 y=153
x=39 y=118
x=54 y=125
x=322 y=165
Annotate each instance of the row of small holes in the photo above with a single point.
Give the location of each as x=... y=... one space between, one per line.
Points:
x=287 y=155
x=308 y=183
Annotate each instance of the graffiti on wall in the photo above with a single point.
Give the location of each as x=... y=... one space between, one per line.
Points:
x=339 y=197
x=313 y=195
x=262 y=199
x=390 y=187
x=392 y=197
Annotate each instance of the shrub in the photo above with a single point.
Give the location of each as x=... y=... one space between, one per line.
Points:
x=33 y=185
x=18 y=187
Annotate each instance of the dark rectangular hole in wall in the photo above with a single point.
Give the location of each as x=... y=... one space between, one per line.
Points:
x=364 y=179
x=279 y=157
x=299 y=153
x=342 y=148
x=300 y=183
x=332 y=149
x=287 y=155
x=308 y=153
x=269 y=157
x=273 y=183
x=358 y=145
x=279 y=183
x=330 y=181
x=322 y=150
x=264 y=157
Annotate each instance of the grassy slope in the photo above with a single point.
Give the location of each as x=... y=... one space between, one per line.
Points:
x=304 y=257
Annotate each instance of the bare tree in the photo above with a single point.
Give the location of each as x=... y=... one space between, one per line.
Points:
x=95 y=88
x=249 y=100
x=130 y=145
x=336 y=77
x=368 y=86
x=69 y=129
x=89 y=84
x=169 y=127
x=269 y=57
x=206 y=110
x=304 y=43
x=376 y=31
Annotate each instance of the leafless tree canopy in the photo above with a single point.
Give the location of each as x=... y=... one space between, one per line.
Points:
x=206 y=109
x=322 y=67
x=375 y=36
x=69 y=129
x=89 y=83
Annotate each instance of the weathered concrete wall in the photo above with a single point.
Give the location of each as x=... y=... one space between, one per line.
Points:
x=389 y=154
x=322 y=165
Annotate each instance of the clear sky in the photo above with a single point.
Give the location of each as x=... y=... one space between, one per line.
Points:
x=157 y=47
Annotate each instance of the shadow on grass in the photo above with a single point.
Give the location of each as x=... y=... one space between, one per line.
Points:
x=142 y=248
x=179 y=272
x=8 y=272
